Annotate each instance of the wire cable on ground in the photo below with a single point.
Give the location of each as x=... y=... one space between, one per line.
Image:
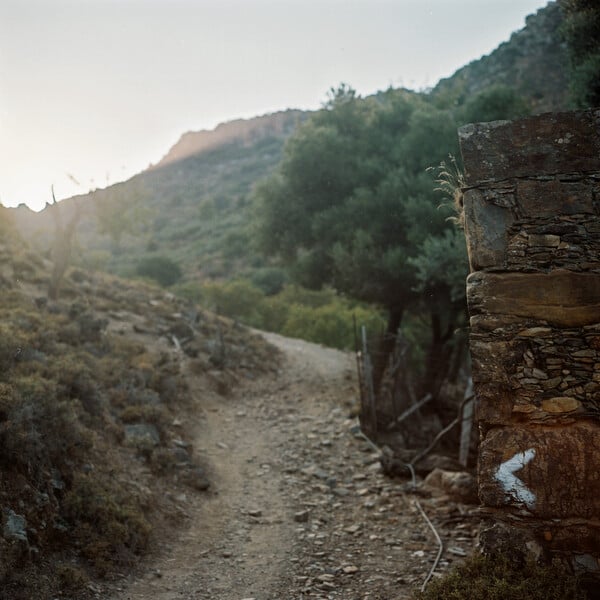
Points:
x=439 y=541
x=420 y=509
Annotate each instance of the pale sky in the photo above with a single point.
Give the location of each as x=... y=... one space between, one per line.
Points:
x=101 y=88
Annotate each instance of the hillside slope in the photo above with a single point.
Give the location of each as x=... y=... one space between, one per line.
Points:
x=533 y=62
x=193 y=206
x=244 y=132
x=95 y=411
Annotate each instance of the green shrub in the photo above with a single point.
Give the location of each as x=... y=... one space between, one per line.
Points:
x=42 y=430
x=270 y=280
x=316 y=316
x=585 y=87
x=189 y=290
x=295 y=294
x=237 y=299
x=161 y=269
x=331 y=324
x=108 y=524
x=273 y=313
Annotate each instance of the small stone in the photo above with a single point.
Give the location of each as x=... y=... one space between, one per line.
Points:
x=535 y=332
x=560 y=404
x=196 y=478
x=548 y=384
x=548 y=241
x=255 y=512
x=350 y=569
x=523 y=408
x=459 y=485
x=321 y=474
x=15 y=527
x=301 y=516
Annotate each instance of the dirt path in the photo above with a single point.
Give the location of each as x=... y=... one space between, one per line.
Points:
x=298 y=507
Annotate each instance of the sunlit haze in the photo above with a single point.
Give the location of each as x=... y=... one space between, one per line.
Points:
x=98 y=89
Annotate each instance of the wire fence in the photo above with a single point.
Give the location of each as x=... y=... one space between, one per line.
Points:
x=398 y=404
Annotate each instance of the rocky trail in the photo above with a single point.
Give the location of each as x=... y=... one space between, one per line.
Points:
x=298 y=506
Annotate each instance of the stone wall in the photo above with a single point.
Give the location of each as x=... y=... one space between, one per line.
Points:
x=532 y=221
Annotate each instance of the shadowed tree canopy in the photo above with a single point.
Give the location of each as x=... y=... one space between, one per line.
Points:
x=352 y=204
x=581 y=30
x=351 y=200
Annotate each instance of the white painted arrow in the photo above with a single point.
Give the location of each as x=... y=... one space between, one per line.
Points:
x=513 y=487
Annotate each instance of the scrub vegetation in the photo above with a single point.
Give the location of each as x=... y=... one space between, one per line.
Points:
x=86 y=413
x=309 y=229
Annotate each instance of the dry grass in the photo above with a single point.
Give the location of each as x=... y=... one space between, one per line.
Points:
x=497 y=578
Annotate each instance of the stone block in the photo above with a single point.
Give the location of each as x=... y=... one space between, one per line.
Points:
x=545 y=144
x=563 y=298
x=543 y=240
x=538 y=198
x=486 y=225
x=490 y=359
x=528 y=538
x=495 y=402
x=550 y=472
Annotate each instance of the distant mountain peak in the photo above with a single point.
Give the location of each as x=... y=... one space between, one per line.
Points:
x=241 y=131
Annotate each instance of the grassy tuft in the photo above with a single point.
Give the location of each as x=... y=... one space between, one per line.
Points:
x=497 y=578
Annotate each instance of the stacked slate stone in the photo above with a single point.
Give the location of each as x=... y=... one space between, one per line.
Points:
x=532 y=221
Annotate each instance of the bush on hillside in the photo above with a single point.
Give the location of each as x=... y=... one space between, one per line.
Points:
x=330 y=325
x=270 y=280
x=60 y=374
x=322 y=317
x=236 y=299
x=161 y=269
x=189 y=290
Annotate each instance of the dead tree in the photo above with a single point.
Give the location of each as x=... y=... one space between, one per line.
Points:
x=62 y=245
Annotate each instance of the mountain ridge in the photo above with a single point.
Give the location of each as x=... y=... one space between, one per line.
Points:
x=243 y=131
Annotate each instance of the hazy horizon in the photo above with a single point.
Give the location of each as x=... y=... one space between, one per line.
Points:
x=101 y=89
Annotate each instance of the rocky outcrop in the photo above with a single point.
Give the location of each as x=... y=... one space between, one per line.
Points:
x=242 y=131
x=532 y=219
